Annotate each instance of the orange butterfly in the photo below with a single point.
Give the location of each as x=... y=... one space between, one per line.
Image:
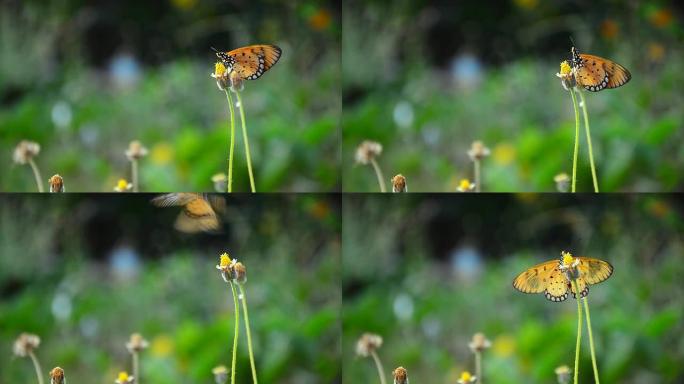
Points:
x=198 y=213
x=250 y=62
x=596 y=73
x=553 y=277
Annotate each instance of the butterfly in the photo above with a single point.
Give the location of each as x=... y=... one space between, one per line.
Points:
x=199 y=210
x=596 y=73
x=250 y=62
x=549 y=277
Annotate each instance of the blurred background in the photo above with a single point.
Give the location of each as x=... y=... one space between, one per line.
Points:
x=84 y=78
x=85 y=272
x=426 y=273
x=437 y=75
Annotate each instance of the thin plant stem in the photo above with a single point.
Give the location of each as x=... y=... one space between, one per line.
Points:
x=136 y=367
x=478 y=187
x=576 y=152
x=378 y=173
x=134 y=176
x=591 y=152
x=245 y=314
x=579 y=334
x=591 y=341
x=378 y=364
x=478 y=366
x=237 y=333
x=244 y=136
x=36 y=365
x=232 y=141
x=36 y=174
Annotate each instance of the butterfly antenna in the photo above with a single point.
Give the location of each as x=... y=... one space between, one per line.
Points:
x=214 y=49
x=572 y=41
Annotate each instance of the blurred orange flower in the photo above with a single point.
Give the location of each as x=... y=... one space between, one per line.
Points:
x=320 y=20
x=609 y=29
x=661 y=18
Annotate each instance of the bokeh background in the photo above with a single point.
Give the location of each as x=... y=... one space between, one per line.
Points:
x=426 y=273
x=84 y=78
x=85 y=272
x=436 y=75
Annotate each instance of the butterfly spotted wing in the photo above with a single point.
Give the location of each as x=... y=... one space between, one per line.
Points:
x=595 y=73
x=252 y=61
x=197 y=215
x=547 y=277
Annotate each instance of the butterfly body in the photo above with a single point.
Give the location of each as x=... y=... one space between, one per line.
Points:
x=554 y=281
x=250 y=62
x=596 y=73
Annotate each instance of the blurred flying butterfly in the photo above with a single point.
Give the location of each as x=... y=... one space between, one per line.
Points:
x=596 y=73
x=199 y=210
x=250 y=62
x=550 y=278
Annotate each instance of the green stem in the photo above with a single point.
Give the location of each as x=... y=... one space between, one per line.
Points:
x=591 y=341
x=591 y=152
x=36 y=365
x=579 y=334
x=136 y=367
x=232 y=141
x=134 y=176
x=478 y=187
x=378 y=365
x=237 y=333
x=576 y=153
x=249 y=333
x=378 y=173
x=36 y=174
x=478 y=366
x=244 y=136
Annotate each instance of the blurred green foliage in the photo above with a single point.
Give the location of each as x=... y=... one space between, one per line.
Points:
x=426 y=273
x=85 y=272
x=437 y=76
x=84 y=81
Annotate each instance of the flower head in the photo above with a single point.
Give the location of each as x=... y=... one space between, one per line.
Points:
x=563 y=373
x=56 y=184
x=466 y=377
x=367 y=344
x=566 y=76
x=568 y=265
x=465 y=186
x=220 y=181
x=237 y=84
x=478 y=151
x=400 y=376
x=220 y=374
x=136 y=150
x=562 y=182
x=221 y=75
x=25 y=151
x=240 y=273
x=123 y=186
x=123 y=378
x=25 y=344
x=367 y=151
x=227 y=267
x=479 y=343
x=136 y=343
x=399 y=183
x=57 y=376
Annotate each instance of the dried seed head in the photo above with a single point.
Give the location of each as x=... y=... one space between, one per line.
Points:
x=56 y=184
x=367 y=151
x=400 y=376
x=399 y=183
x=562 y=182
x=239 y=273
x=136 y=343
x=563 y=373
x=237 y=84
x=220 y=181
x=368 y=343
x=220 y=374
x=57 y=376
x=478 y=151
x=479 y=343
x=135 y=150
x=25 y=344
x=25 y=151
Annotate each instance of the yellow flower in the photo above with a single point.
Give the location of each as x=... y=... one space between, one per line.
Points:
x=123 y=186
x=221 y=76
x=466 y=377
x=225 y=260
x=465 y=186
x=567 y=79
x=124 y=378
x=567 y=258
x=227 y=267
x=565 y=68
x=219 y=69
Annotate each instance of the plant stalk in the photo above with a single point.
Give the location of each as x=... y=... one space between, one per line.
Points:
x=244 y=136
x=232 y=141
x=378 y=364
x=136 y=367
x=478 y=366
x=478 y=187
x=588 y=131
x=36 y=365
x=36 y=174
x=576 y=152
x=591 y=341
x=236 y=334
x=378 y=173
x=579 y=333
x=134 y=176
x=249 y=333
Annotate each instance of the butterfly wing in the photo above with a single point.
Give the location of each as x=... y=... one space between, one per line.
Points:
x=197 y=216
x=545 y=277
x=174 y=199
x=251 y=62
x=595 y=73
x=594 y=271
